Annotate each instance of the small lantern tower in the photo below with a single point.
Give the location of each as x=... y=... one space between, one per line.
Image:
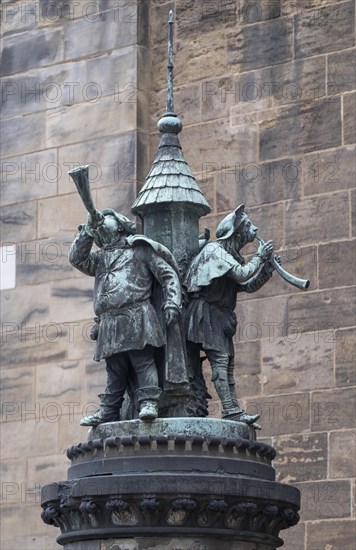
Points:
x=170 y=202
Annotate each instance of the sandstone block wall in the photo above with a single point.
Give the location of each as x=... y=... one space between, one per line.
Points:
x=73 y=87
x=266 y=92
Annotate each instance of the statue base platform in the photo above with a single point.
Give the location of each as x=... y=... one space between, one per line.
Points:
x=175 y=483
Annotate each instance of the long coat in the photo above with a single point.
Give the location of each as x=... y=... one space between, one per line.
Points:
x=213 y=281
x=124 y=275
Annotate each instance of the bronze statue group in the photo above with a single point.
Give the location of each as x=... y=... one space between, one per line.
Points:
x=130 y=328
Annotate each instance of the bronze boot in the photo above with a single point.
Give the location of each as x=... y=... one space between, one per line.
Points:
x=109 y=411
x=148 y=402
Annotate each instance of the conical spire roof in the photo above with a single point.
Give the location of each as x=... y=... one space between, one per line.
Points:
x=170 y=179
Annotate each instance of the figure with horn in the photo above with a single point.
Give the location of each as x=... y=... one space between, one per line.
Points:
x=127 y=330
x=213 y=280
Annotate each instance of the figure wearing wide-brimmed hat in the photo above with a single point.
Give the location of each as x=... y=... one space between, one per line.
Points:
x=213 y=281
x=128 y=330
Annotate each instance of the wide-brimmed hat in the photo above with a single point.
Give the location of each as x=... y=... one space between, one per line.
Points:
x=230 y=223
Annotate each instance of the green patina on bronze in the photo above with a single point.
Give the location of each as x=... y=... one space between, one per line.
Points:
x=163 y=297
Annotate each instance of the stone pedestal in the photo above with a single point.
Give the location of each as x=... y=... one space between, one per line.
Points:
x=180 y=483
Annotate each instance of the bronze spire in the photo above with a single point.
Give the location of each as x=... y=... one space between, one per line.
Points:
x=170 y=180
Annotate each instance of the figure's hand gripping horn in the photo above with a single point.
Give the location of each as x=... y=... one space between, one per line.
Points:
x=302 y=284
x=80 y=176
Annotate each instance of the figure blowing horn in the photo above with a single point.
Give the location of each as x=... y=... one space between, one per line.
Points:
x=302 y=284
x=80 y=176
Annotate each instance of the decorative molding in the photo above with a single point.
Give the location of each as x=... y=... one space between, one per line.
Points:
x=181 y=485
x=181 y=443
x=194 y=482
x=241 y=519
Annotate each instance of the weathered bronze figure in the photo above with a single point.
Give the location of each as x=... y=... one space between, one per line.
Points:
x=127 y=327
x=213 y=281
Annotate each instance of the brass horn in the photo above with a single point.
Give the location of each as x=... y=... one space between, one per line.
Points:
x=80 y=176
x=302 y=284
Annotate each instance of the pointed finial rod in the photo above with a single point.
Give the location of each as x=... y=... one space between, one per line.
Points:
x=170 y=123
x=170 y=107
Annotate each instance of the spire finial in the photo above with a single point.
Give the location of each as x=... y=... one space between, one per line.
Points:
x=170 y=123
x=170 y=107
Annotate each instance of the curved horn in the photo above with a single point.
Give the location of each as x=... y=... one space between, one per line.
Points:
x=303 y=284
x=80 y=176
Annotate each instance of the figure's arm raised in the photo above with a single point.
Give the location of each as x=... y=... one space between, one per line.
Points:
x=243 y=273
x=80 y=255
x=257 y=281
